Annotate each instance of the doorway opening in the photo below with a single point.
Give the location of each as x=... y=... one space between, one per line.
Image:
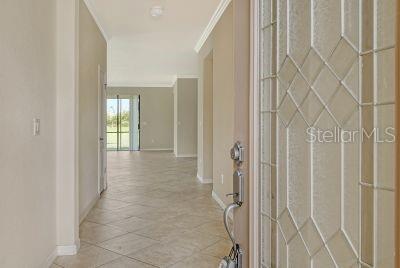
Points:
x=123 y=123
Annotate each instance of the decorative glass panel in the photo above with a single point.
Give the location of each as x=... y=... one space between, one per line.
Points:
x=326 y=65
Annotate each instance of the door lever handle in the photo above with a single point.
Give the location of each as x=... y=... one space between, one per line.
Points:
x=232 y=194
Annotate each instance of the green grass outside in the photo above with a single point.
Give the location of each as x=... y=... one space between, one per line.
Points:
x=112 y=138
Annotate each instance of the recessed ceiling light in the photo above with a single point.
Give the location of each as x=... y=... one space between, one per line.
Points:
x=156 y=11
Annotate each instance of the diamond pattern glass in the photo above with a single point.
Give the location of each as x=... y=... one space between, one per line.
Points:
x=311 y=108
x=311 y=66
x=341 y=250
x=342 y=58
x=287 y=109
x=287 y=225
x=287 y=72
x=298 y=255
x=299 y=88
x=326 y=84
x=323 y=259
x=342 y=105
x=332 y=201
x=311 y=237
x=351 y=81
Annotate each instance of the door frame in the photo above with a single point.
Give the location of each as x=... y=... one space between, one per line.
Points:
x=242 y=110
x=139 y=126
x=397 y=144
x=118 y=97
x=131 y=121
x=102 y=129
x=254 y=135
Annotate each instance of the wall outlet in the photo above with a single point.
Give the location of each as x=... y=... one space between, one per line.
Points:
x=222 y=178
x=152 y=141
x=36 y=126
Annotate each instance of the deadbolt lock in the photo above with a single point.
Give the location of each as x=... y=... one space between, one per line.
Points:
x=237 y=153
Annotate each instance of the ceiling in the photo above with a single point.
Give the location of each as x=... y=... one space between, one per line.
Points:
x=146 y=51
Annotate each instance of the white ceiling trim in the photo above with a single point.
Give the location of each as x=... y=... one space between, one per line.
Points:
x=185 y=76
x=142 y=85
x=213 y=21
x=90 y=6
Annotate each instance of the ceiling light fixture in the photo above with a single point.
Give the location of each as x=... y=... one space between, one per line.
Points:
x=156 y=11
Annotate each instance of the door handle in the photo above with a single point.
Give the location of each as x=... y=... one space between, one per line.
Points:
x=226 y=216
x=234 y=260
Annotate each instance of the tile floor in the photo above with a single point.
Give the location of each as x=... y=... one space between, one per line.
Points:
x=154 y=214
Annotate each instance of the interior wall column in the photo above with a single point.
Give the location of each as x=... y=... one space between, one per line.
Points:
x=67 y=214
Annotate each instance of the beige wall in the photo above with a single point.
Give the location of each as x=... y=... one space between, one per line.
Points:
x=205 y=116
x=67 y=121
x=204 y=109
x=207 y=123
x=223 y=99
x=218 y=49
x=185 y=119
x=27 y=163
x=156 y=116
x=92 y=53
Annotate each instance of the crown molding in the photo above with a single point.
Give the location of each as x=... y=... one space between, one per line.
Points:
x=161 y=84
x=169 y=84
x=211 y=24
x=90 y=7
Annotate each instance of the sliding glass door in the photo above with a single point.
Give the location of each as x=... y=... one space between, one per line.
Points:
x=123 y=123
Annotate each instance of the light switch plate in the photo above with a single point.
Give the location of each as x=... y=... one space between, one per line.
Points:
x=36 y=127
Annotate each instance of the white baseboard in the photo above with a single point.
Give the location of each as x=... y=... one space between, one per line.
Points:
x=157 y=149
x=86 y=211
x=50 y=259
x=203 y=180
x=218 y=200
x=221 y=203
x=68 y=250
x=61 y=251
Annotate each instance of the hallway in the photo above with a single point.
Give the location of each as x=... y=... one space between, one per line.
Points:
x=154 y=214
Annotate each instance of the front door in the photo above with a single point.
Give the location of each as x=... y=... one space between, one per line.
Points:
x=321 y=197
x=242 y=125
